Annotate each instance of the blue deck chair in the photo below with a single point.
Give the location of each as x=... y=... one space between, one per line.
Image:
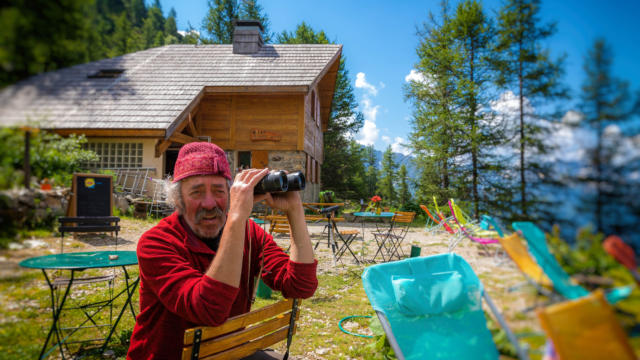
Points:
x=489 y=223
x=562 y=282
x=431 y=308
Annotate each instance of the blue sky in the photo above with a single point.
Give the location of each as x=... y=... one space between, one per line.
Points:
x=379 y=41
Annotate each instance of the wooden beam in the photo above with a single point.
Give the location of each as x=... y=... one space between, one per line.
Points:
x=162 y=146
x=182 y=138
x=253 y=89
x=181 y=121
x=111 y=132
x=192 y=126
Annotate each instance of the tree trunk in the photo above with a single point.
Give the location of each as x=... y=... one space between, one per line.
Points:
x=523 y=181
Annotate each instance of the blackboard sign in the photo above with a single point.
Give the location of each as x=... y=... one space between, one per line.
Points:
x=92 y=195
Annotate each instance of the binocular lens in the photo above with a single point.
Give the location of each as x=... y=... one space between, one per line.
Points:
x=274 y=181
x=296 y=181
x=278 y=181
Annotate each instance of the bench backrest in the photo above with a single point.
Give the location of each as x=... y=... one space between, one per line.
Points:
x=243 y=335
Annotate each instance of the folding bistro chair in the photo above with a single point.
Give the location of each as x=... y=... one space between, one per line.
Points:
x=389 y=240
x=431 y=308
x=562 y=282
x=585 y=329
x=346 y=237
x=244 y=336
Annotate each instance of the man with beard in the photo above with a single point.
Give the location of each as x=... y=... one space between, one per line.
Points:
x=198 y=266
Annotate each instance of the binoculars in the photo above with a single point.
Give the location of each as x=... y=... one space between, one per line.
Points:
x=279 y=181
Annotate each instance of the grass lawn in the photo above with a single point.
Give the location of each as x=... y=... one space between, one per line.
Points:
x=25 y=314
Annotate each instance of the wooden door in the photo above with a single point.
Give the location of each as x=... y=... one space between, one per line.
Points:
x=259 y=159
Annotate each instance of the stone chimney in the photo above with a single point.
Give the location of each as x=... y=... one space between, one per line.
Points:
x=247 y=36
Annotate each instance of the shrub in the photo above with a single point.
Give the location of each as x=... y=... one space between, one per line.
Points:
x=52 y=156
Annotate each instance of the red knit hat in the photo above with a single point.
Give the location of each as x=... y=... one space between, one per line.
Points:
x=201 y=158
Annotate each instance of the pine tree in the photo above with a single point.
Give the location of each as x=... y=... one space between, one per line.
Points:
x=371 y=172
x=251 y=10
x=527 y=66
x=404 y=196
x=388 y=173
x=219 y=21
x=340 y=169
x=605 y=101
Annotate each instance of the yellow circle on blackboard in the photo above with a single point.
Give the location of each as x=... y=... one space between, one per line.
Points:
x=89 y=183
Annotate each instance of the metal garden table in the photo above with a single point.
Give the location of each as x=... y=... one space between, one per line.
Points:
x=75 y=262
x=372 y=215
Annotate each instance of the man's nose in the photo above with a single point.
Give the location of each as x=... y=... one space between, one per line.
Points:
x=209 y=201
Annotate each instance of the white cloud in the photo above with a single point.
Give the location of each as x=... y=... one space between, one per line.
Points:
x=361 y=82
x=572 y=117
x=386 y=139
x=185 y=33
x=369 y=133
x=415 y=75
x=398 y=146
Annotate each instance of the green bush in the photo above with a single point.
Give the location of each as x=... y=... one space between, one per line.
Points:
x=586 y=256
x=52 y=156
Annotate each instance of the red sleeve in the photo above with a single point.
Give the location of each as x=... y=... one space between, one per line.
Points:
x=294 y=280
x=180 y=287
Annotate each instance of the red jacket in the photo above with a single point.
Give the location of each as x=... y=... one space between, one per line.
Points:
x=176 y=295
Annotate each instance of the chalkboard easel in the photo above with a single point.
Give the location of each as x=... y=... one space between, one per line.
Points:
x=91 y=195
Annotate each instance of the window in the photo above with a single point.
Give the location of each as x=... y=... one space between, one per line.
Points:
x=106 y=74
x=115 y=155
x=315 y=116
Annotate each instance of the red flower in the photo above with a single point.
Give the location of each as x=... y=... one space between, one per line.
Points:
x=376 y=198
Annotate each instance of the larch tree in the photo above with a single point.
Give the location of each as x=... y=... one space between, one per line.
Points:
x=606 y=102
x=437 y=135
x=524 y=66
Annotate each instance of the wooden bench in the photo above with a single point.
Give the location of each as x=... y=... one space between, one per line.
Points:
x=243 y=335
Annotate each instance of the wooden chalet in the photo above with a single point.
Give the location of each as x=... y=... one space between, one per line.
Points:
x=266 y=105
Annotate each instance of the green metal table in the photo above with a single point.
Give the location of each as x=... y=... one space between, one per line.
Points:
x=372 y=215
x=75 y=262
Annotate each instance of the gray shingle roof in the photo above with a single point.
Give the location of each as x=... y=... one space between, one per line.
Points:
x=156 y=86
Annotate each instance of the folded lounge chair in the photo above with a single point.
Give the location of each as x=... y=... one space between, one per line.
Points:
x=469 y=230
x=585 y=329
x=623 y=253
x=562 y=282
x=431 y=308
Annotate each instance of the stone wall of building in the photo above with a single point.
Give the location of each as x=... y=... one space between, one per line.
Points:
x=294 y=161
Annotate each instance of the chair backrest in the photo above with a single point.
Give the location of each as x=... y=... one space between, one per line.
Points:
x=242 y=335
x=430 y=307
x=278 y=224
x=489 y=223
x=405 y=217
x=465 y=232
x=426 y=210
x=517 y=251
x=435 y=204
x=585 y=328
x=538 y=247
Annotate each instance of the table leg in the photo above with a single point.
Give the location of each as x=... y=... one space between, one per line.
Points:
x=129 y=289
x=56 y=316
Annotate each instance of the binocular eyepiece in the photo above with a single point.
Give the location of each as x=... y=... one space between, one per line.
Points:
x=279 y=181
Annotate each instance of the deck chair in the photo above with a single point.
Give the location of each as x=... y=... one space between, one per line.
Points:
x=431 y=308
x=245 y=335
x=517 y=251
x=562 y=282
x=585 y=329
x=435 y=223
x=469 y=230
x=623 y=254
x=489 y=223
